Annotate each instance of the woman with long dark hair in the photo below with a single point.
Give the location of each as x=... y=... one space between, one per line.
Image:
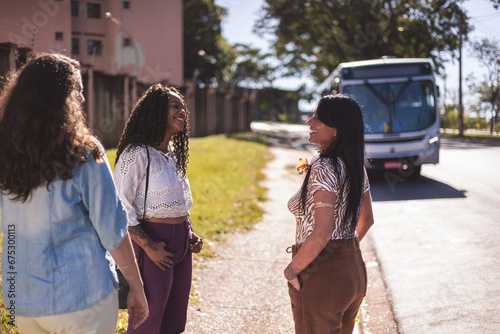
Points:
x=157 y=135
x=327 y=275
x=61 y=215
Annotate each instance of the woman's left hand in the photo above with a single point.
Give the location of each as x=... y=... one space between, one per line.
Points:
x=295 y=283
x=195 y=244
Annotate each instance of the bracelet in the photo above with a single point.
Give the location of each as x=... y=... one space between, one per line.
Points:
x=322 y=205
x=128 y=265
x=291 y=271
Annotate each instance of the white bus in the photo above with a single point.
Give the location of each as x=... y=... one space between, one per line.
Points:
x=399 y=100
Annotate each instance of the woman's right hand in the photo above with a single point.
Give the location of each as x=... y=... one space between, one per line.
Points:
x=295 y=283
x=137 y=306
x=159 y=255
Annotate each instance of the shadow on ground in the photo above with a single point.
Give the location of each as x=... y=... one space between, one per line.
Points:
x=391 y=186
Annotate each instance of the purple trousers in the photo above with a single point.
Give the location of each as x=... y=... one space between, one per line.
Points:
x=167 y=291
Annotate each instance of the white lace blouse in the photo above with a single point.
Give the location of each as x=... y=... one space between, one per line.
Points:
x=323 y=177
x=169 y=195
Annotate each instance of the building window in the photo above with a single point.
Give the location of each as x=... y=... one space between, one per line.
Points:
x=94 y=47
x=93 y=10
x=75 y=46
x=74 y=8
x=126 y=4
x=59 y=36
x=127 y=42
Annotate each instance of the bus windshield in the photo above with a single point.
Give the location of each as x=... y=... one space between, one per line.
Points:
x=395 y=107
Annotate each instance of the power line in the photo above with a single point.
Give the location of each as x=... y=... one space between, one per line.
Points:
x=486 y=16
x=485 y=28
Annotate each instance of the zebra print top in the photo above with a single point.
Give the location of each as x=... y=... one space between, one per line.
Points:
x=323 y=177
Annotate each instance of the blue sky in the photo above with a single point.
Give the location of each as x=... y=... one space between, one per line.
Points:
x=242 y=14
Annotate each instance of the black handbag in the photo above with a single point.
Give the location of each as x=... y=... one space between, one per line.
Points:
x=124 y=288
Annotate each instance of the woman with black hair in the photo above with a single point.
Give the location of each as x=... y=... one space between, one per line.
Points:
x=150 y=176
x=333 y=210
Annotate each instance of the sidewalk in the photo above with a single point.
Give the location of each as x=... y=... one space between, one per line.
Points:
x=243 y=290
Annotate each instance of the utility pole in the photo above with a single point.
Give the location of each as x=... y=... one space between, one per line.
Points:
x=460 y=102
x=135 y=79
x=132 y=41
x=444 y=92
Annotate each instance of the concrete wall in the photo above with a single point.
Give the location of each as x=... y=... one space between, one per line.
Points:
x=108 y=98
x=7 y=61
x=216 y=112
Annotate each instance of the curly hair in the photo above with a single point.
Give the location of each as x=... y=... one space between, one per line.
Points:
x=43 y=134
x=147 y=125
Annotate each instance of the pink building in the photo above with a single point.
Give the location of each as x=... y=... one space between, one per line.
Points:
x=142 y=38
x=123 y=47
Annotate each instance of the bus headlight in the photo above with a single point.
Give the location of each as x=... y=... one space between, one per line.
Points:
x=433 y=140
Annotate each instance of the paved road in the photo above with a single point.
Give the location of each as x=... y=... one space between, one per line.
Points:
x=437 y=239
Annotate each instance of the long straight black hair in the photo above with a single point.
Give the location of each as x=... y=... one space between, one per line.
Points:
x=344 y=114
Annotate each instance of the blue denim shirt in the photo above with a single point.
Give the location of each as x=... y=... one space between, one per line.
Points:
x=55 y=245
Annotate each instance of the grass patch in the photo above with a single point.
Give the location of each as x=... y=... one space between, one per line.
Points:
x=111 y=154
x=224 y=173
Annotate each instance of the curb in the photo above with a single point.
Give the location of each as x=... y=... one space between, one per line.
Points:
x=377 y=315
x=357 y=329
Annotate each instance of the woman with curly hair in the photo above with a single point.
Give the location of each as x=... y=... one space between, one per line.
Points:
x=153 y=155
x=62 y=219
x=333 y=211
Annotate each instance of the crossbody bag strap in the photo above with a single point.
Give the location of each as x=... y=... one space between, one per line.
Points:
x=141 y=251
x=147 y=185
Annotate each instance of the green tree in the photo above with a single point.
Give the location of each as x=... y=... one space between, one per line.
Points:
x=207 y=55
x=488 y=53
x=251 y=68
x=316 y=35
x=449 y=120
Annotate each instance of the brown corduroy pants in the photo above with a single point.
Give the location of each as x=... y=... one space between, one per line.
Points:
x=332 y=289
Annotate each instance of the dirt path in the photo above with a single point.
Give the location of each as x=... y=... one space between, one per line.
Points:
x=243 y=290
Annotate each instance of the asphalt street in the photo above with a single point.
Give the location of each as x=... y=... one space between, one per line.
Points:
x=436 y=239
